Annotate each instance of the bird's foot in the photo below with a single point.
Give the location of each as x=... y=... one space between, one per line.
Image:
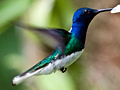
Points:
x=63 y=69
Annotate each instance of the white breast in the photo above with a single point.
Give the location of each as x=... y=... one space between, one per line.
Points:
x=51 y=67
x=67 y=61
x=64 y=62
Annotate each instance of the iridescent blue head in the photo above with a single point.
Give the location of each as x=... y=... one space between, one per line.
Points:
x=81 y=19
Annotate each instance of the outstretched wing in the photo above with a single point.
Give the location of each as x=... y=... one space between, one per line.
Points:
x=61 y=36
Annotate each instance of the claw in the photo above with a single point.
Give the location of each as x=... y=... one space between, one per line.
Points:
x=63 y=69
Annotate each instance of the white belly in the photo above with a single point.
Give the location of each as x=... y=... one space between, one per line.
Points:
x=64 y=62
x=67 y=61
x=51 y=67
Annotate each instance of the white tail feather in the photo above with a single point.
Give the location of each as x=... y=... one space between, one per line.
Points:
x=18 y=79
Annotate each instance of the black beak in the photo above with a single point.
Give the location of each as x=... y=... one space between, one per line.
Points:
x=103 y=10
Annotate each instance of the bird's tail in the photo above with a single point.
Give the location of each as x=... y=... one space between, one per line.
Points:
x=18 y=79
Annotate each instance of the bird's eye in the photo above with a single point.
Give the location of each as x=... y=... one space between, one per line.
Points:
x=86 y=11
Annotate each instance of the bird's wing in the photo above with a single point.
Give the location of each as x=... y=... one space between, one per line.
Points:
x=61 y=36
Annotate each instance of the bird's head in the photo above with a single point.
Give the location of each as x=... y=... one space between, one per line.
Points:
x=85 y=15
x=81 y=19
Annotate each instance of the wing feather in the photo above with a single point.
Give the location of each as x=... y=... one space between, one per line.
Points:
x=61 y=36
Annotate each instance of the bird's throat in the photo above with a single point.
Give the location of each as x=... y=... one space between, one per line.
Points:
x=80 y=32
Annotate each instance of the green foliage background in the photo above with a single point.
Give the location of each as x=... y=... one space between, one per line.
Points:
x=13 y=42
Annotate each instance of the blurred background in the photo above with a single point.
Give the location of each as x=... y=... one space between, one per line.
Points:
x=20 y=49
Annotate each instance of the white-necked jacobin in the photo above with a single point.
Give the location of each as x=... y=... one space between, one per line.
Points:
x=69 y=48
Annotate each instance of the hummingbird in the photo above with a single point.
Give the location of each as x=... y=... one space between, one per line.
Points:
x=69 y=48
